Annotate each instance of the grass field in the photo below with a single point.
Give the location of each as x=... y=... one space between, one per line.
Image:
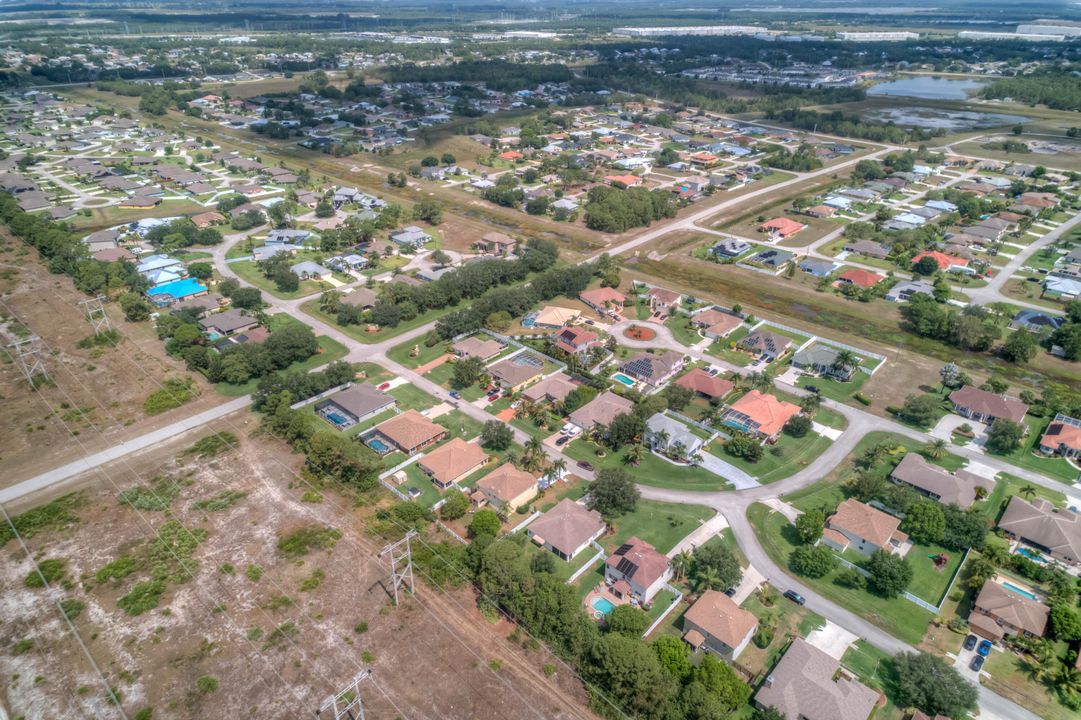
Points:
x=651 y=471
x=660 y=524
x=358 y=333
x=796 y=453
x=248 y=271
x=1029 y=457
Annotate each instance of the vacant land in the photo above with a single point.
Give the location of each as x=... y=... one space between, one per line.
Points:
x=275 y=627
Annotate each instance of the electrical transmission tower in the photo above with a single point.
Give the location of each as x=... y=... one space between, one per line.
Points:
x=95 y=313
x=28 y=353
x=347 y=704
x=396 y=555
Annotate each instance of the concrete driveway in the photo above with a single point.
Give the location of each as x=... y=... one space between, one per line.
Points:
x=944 y=428
x=740 y=480
x=832 y=639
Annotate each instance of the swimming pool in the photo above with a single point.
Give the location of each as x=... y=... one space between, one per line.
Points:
x=1020 y=591
x=602 y=605
x=1034 y=556
x=337 y=419
x=620 y=377
x=378 y=445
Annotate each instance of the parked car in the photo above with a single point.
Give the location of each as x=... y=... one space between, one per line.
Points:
x=562 y=440
x=590 y=322
x=977 y=663
x=984 y=649
x=493 y=397
x=455 y=394
x=730 y=592
x=794 y=597
x=385 y=386
x=970 y=642
x=813 y=388
x=585 y=465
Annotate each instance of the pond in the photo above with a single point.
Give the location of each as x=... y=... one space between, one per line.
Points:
x=949 y=120
x=928 y=87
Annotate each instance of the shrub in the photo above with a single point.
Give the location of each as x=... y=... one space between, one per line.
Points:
x=22 y=646
x=206 y=684
x=812 y=561
x=798 y=426
x=254 y=573
x=72 y=608
x=174 y=393
x=47 y=572
x=303 y=540
x=862 y=399
x=142 y=598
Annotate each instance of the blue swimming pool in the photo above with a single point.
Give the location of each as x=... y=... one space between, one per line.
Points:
x=1020 y=591
x=1033 y=556
x=337 y=418
x=620 y=377
x=602 y=605
x=378 y=445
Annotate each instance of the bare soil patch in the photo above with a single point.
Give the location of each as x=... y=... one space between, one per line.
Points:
x=637 y=332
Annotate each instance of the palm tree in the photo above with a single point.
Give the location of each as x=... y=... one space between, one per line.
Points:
x=698 y=459
x=845 y=359
x=534 y=450
x=634 y=454
x=678 y=450
x=1028 y=491
x=1068 y=679
x=936 y=448
x=661 y=438
x=705 y=579
x=330 y=300
x=810 y=404
x=681 y=563
x=557 y=468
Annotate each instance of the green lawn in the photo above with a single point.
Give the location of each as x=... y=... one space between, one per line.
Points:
x=682 y=330
x=1007 y=486
x=458 y=424
x=834 y=389
x=329 y=351
x=928 y=583
x=401 y=354
x=358 y=333
x=899 y=617
x=375 y=374
x=651 y=471
x=410 y=397
x=248 y=270
x=871 y=666
x=1010 y=678
x=660 y=524
x=1029 y=457
x=796 y=453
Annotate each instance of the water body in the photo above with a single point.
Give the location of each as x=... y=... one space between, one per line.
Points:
x=928 y=87
x=950 y=120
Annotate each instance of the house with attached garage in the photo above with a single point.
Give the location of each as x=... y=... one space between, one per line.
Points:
x=228 y=322
x=986 y=407
x=715 y=623
x=905 y=289
x=636 y=571
x=410 y=236
x=353 y=405
x=860 y=527
x=1062 y=437
x=999 y=611
x=554 y=388
x=600 y=411
x=821 y=358
x=1041 y=525
x=308 y=270
x=654 y=370
x=760 y=415
x=454 y=461
x=809 y=684
x=933 y=481
x=506 y=488
x=765 y=344
x=514 y=373
x=666 y=434
x=567 y=529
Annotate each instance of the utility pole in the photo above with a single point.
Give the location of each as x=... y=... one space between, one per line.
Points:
x=395 y=556
x=347 y=704
x=95 y=313
x=28 y=353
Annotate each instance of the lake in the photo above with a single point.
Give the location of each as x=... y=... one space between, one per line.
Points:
x=928 y=87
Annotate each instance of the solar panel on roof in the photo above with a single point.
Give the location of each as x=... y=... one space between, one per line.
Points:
x=622 y=549
x=626 y=567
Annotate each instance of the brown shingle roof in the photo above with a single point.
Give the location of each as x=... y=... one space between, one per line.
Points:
x=700 y=381
x=865 y=522
x=638 y=561
x=1039 y=522
x=449 y=462
x=718 y=614
x=556 y=386
x=950 y=489
x=806 y=684
x=410 y=429
x=983 y=402
x=567 y=526
x=601 y=410
x=507 y=482
x=1020 y=612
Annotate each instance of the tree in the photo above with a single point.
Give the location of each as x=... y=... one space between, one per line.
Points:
x=810 y=525
x=890 y=574
x=949 y=374
x=448 y=159
x=1020 y=347
x=201 y=270
x=850 y=578
x=485 y=522
x=980 y=570
x=721 y=679
x=925 y=522
x=769 y=713
x=496 y=436
x=1065 y=622
x=1004 y=437
x=964 y=528
x=247 y=298
x=632 y=675
x=745 y=447
x=429 y=211
x=627 y=620
x=928 y=683
x=455 y=506
x=613 y=493
x=324 y=209
x=135 y=307
x=440 y=258
x=921 y=410
x=718 y=563
x=925 y=266
x=813 y=561
x=798 y=426
x=674 y=656
x=935 y=449
x=467 y=372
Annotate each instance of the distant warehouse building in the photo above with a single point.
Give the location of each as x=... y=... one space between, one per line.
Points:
x=877 y=36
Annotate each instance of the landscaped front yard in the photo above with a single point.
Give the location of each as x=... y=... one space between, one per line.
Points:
x=652 y=470
x=1025 y=457
x=660 y=524
x=779 y=461
x=248 y=270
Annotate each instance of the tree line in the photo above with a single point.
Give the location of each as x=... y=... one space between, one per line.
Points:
x=615 y=210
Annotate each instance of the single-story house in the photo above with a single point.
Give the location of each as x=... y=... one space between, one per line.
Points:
x=999 y=611
x=207 y=219
x=478 y=347
x=860 y=278
x=228 y=322
x=948 y=263
x=666 y=434
x=516 y=372
x=567 y=529
x=1036 y=321
x=411 y=236
x=662 y=300
x=554 y=317
x=905 y=289
x=353 y=405
x=637 y=571
x=553 y=388
x=731 y=247
x=986 y=407
x=771 y=258
x=763 y=343
x=717 y=624
x=507 y=487
x=701 y=382
x=603 y=299
x=362 y=298
x=409 y=432
x=759 y=414
x=818 y=267
x=822 y=358
x=781 y=227
x=454 y=461
x=1038 y=523
x=601 y=410
x=868 y=248
x=1062 y=437
x=1063 y=287
x=308 y=270
x=862 y=528
x=496 y=243
x=654 y=370
x=809 y=684
x=936 y=483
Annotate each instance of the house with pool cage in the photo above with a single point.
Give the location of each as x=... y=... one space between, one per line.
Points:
x=410 y=432
x=353 y=405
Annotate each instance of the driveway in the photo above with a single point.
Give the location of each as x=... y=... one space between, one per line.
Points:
x=944 y=428
x=701 y=535
x=748 y=584
x=739 y=479
x=832 y=639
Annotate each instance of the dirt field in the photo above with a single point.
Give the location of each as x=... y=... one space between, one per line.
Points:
x=271 y=645
x=96 y=389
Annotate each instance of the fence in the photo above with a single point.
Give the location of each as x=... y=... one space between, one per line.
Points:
x=667 y=611
x=320 y=396
x=531 y=518
x=936 y=609
x=859 y=351
x=589 y=563
x=713 y=432
x=453 y=534
x=387 y=473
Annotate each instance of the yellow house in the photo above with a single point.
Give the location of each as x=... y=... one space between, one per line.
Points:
x=507 y=487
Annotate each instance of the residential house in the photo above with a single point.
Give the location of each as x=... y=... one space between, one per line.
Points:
x=477 y=347
x=1036 y=321
x=636 y=571
x=361 y=297
x=905 y=289
x=496 y=243
x=714 y=323
x=818 y=267
x=308 y=270
x=781 y=228
x=865 y=529
x=228 y=322
x=353 y=405
x=731 y=247
x=554 y=317
x=554 y=388
x=822 y=358
x=663 y=301
x=986 y=407
x=409 y=432
x=654 y=370
x=868 y=248
x=410 y=236
x=999 y=611
x=1038 y=523
x=717 y=624
x=759 y=414
x=207 y=219
x=567 y=529
x=1061 y=287
x=935 y=482
x=765 y=344
x=605 y=300
x=453 y=461
x=1062 y=437
x=667 y=435
x=506 y=488
x=516 y=372
x=860 y=278
x=702 y=383
x=809 y=684
x=577 y=341
x=947 y=263
x=771 y=258
x=600 y=411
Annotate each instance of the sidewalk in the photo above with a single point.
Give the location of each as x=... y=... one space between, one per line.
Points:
x=702 y=534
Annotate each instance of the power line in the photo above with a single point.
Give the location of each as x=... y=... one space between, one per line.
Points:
x=28 y=355
x=95 y=313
